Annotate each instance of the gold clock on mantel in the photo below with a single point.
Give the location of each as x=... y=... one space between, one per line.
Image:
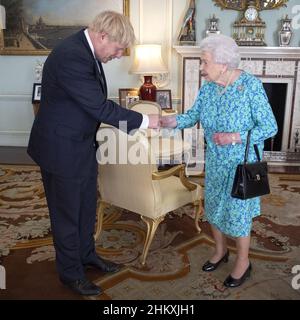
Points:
x=249 y=29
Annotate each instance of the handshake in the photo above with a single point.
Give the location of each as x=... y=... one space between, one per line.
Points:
x=156 y=121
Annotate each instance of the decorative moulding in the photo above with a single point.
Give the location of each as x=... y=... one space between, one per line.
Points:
x=253 y=52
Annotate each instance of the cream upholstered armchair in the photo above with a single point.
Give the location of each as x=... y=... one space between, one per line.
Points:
x=152 y=194
x=147 y=107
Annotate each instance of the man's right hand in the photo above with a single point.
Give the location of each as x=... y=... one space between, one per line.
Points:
x=168 y=121
x=154 y=121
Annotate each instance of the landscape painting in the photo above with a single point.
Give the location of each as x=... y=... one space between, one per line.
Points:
x=34 y=27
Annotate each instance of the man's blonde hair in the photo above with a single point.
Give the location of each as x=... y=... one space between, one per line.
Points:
x=116 y=26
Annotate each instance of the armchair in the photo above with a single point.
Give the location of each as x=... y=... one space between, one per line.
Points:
x=147 y=107
x=152 y=194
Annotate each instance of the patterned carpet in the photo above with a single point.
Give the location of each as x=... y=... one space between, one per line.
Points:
x=173 y=269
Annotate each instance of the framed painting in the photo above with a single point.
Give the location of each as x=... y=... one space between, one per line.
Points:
x=128 y=96
x=35 y=27
x=164 y=98
x=36 y=93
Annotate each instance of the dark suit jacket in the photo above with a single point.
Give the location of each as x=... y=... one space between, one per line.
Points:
x=73 y=104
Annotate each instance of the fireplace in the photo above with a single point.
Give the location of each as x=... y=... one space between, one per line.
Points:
x=279 y=70
x=277 y=93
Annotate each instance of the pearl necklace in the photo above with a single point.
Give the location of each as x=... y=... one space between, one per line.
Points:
x=223 y=90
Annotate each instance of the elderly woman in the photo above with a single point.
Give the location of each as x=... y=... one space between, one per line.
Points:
x=229 y=104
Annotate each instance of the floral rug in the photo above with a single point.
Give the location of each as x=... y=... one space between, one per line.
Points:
x=173 y=268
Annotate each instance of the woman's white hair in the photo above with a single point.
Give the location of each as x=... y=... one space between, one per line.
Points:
x=223 y=49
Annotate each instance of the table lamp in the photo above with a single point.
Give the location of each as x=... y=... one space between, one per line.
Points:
x=2 y=25
x=148 y=62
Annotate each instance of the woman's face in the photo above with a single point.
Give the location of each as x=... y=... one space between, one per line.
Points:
x=210 y=70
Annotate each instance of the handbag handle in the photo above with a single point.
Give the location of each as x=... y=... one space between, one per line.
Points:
x=247 y=149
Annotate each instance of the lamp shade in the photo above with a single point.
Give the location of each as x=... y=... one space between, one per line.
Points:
x=148 y=60
x=2 y=18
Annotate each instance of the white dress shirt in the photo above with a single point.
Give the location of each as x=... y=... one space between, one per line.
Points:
x=145 y=122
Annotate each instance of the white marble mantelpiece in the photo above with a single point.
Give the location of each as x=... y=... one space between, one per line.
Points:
x=270 y=64
x=254 y=52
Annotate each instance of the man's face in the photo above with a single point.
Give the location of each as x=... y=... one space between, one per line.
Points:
x=210 y=70
x=105 y=49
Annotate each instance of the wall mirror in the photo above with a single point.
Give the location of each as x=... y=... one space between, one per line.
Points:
x=242 y=4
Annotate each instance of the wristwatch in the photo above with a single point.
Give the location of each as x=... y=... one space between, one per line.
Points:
x=233 y=140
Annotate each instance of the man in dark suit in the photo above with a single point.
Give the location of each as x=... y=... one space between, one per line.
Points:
x=62 y=141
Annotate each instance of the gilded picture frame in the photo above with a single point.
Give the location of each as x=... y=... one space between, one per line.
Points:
x=241 y=5
x=34 y=27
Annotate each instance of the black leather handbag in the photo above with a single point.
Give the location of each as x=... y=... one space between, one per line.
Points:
x=251 y=179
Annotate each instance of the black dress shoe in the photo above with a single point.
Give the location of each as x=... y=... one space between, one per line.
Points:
x=231 y=282
x=209 y=266
x=104 y=265
x=83 y=286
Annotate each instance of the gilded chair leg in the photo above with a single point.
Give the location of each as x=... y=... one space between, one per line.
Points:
x=152 y=225
x=100 y=215
x=199 y=210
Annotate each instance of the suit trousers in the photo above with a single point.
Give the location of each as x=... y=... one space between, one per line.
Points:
x=72 y=206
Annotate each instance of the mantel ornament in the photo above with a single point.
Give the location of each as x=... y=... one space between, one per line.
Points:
x=249 y=29
x=285 y=34
x=213 y=26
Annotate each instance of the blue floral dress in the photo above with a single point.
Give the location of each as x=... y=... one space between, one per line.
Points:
x=243 y=106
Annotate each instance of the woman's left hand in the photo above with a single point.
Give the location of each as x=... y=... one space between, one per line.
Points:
x=223 y=138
